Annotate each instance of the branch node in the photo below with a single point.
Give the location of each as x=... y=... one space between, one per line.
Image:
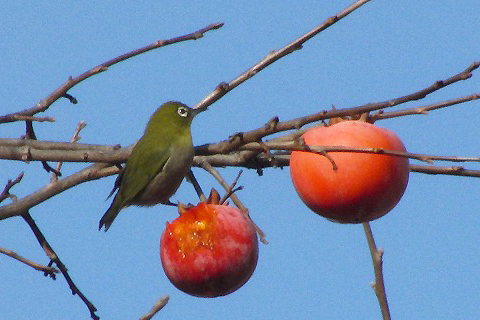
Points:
x=222 y=87
x=26 y=154
x=197 y=35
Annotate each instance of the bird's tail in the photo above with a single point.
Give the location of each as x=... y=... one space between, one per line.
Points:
x=110 y=214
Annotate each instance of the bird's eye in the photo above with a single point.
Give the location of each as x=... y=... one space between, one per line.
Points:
x=182 y=112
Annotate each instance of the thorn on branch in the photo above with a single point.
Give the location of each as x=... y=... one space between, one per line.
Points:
x=272 y=123
x=71 y=98
x=238 y=135
x=49 y=169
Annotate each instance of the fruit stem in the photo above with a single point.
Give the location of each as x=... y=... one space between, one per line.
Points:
x=377 y=259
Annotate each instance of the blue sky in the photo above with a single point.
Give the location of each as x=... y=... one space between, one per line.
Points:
x=311 y=268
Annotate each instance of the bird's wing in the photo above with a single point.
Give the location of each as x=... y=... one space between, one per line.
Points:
x=140 y=170
x=117 y=183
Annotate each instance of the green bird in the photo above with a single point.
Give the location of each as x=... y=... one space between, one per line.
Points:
x=158 y=162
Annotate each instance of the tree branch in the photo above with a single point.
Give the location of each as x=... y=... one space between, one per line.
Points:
x=207 y=167
x=162 y=302
x=10 y=183
x=55 y=259
x=223 y=88
x=47 y=270
x=273 y=126
x=453 y=171
x=74 y=139
x=71 y=82
x=377 y=259
x=92 y=172
x=422 y=110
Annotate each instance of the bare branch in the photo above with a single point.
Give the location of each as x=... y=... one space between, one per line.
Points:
x=453 y=171
x=55 y=259
x=231 y=189
x=377 y=259
x=162 y=302
x=92 y=172
x=196 y=186
x=71 y=82
x=17 y=117
x=34 y=150
x=233 y=196
x=47 y=270
x=223 y=88
x=75 y=138
x=292 y=145
x=422 y=110
x=239 y=139
x=10 y=183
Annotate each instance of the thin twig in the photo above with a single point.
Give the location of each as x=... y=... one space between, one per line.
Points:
x=452 y=171
x=74 y=139
x=10 y=183
x=377 y=259
x=55 y=259
x=422 y=110
x=62 y=90
x=231 y=189
x=235 y=199
x=223 y=88
x=50 y=271
x=17 y=117
x=92 y=172
x=196 y=186
x=292 y=145
x=255 y=135
x=162 y=302
x=30 y=135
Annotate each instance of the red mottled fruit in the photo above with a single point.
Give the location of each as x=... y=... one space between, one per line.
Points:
x=210 y=250
x=364 y=187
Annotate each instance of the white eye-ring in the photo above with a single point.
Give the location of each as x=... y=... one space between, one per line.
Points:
x=182 y=112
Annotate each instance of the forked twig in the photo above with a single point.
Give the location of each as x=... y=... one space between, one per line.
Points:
x=10 y=183
x=50 y=271
x=233 y=196
x=55 y=259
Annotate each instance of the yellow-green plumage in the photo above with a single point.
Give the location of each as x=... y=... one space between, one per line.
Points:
x=158 y=162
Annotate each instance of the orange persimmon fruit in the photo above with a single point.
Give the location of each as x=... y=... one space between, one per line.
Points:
x=364 y=186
